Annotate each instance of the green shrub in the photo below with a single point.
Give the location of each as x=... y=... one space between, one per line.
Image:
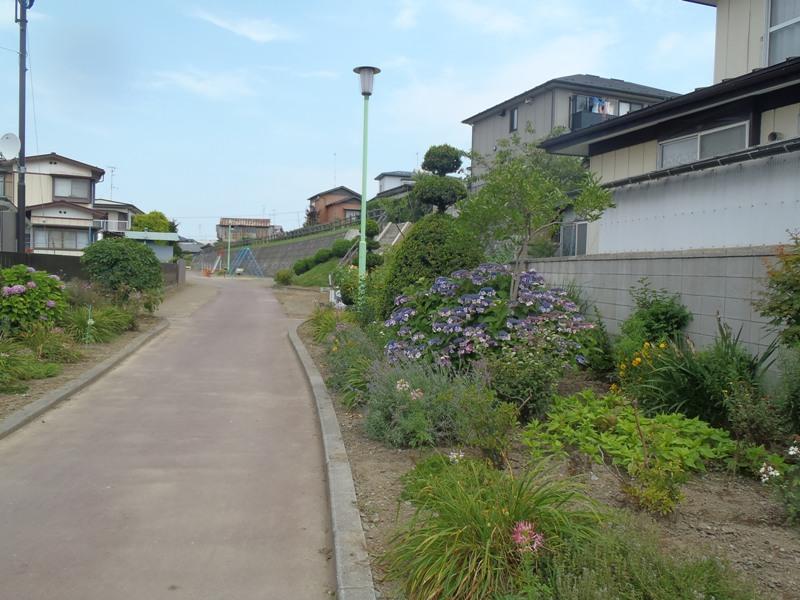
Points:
x=416 y=404
x=442 y=159
x=752 y=416
x=478 y=532
x=435 y=246
x=302 y=265
x=788 y=483
x=50 y=343
x=346 y=279
x=350 y=358
x=84 y=293
x=284 y=277
x=373 y=261
x=373 y=245
x=525 y=376
x=597 y=349
x=433 y=190
x=657 y=453
x=373 y=228
x=489 y=426
x=658 y=316
x=18 y=364
x=781 y=298
x=123 y=266
x=341 y=247
x=101 y=325
x=322 y=255
x=788 y=392
x=28 y=296
x=324 y=321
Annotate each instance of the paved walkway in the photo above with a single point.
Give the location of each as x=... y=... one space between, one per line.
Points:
x=192 y=471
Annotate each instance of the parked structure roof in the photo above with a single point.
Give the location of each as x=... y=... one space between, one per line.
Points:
x=153 y=236
x=340 y=188
x=394 y=174
x=233 y=222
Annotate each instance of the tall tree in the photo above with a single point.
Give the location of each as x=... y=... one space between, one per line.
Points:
x=152 y=221
x=442 y=160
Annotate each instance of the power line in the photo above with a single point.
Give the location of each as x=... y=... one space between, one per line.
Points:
x=33 y=96
x=9 y=49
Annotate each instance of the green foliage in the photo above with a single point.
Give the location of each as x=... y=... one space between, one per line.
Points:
x=442 y=160
x=373 y=261
x=657 y=453
x=597 y=349
x=441 y=192
x=436 y=245
x=373 y=228
x=373 y=245
x=526 y=376
x=324 y=321
x=152 y=221
x=341 y=247
x=626 y=562
x=18 y=364
x=322 y=255
x=415 y=404
x=346 y=279
x=673 y=376
x=489 y=426
x=751 y=415
x=351 y=355
x=84 y=293
x=284 y=277
x=50 y=343
x=788 y=485
x=101 y=325
x=788 y=393
x=781 y=298
x=460 y=542
x=302 y=265
x=525 y=193
x=28 y=296
x=122 y=266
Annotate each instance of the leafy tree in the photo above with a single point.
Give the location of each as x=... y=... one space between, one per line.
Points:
x=311 y=216
x=152 y=221
x=525 y=192
x=122 y=266
x=437 y=191
x=781 y=300
x=442 y=160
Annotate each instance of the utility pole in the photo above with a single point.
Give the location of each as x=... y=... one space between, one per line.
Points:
x=111 y=181
x=228 y=270
x=21 y=16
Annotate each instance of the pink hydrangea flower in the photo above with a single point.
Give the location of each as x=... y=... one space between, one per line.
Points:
x=526 y=537
x=31 y=285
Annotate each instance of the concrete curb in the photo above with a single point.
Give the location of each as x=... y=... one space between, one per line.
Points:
x=353 y=573
x=30 y=412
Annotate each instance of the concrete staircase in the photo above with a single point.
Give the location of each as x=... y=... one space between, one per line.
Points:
x=391 y=234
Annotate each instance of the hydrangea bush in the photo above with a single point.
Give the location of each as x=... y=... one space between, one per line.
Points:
x=28 y=296
x=460 y=317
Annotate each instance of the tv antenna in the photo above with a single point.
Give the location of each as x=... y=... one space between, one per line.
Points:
x=112 y=170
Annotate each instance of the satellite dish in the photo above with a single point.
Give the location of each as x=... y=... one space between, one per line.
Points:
x=9 y=147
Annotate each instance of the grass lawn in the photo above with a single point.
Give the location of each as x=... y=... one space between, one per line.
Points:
x=318 y=275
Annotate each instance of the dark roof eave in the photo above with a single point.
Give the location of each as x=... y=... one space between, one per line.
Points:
x=720 y=93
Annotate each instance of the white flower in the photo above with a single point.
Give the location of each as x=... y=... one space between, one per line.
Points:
x=402 y=385
x=794 y=450
x=767 y=473
x=455 y=456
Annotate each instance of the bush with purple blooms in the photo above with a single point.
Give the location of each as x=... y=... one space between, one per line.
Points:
x=461 y=317
x=28 y=296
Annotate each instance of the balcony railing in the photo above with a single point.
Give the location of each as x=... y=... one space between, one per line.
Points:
x=106 y=225
x=584 y=118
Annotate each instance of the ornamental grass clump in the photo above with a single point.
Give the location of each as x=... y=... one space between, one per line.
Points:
x=478 y=532
x=19 y=364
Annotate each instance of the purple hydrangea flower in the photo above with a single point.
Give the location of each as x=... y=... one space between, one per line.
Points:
x=31 y=285
x=50 y=304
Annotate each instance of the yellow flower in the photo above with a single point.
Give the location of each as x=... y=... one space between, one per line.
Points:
x=647 y=345
x=636 y=362
x=614 y=388
x=622 y=366
x=663 y=345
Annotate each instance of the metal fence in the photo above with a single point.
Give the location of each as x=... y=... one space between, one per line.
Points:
x=66 y=267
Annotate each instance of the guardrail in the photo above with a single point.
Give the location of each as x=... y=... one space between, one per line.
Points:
x=107 y=225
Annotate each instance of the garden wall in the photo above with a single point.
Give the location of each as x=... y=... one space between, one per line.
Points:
x=710 y=282
x=274 y=256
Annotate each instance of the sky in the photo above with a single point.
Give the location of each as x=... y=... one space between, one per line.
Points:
x=248 y=108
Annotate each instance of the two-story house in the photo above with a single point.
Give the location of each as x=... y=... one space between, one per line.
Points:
x=715 y=168
x=237 y=229
x=119 y=215
x=570 y=103
x=339 y=204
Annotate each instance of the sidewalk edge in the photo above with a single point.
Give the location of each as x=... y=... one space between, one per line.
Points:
x=353 y=573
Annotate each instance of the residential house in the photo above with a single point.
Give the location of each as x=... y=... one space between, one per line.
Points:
x=119 y=215
x=246 y=229
x=189 y=246
x=392 y=185
x=161 y=243
x=339 y=204
x=570 y=103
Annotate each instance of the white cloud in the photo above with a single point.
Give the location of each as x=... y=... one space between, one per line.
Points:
x=487 y=18
x=214 y=86
x=260 y=30
x=406 y=18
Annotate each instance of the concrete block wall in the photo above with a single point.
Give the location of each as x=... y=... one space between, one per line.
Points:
x=709 y=282
x=274 y=257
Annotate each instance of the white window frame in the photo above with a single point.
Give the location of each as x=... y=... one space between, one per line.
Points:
x=513 y=119
x=771 y=29
x=699 y=135
x=71 y=180
x=575 y=225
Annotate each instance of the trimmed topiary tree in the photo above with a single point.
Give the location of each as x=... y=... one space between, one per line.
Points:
x=442 y=160
x=123 y=266
x=437 y=245
x=441 y=192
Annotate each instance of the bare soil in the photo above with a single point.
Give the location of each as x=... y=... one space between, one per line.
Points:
x=730 y=517
x=92 y=355
x=299 y=303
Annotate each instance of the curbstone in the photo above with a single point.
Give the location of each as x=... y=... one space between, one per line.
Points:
x=35 y=409
x=353 y=573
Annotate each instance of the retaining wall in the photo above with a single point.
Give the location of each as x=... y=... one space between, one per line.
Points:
x=273 y=257
x=709 y=282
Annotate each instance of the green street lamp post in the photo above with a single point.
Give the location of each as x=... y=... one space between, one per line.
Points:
x=367 y=76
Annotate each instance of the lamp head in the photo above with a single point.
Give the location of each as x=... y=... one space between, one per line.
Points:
x=367 y=75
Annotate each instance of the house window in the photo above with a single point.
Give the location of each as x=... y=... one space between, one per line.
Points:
x=71 y=188
x=784 y=30
x=60 y=239
x=625 y=107
x=706 y=144
x=573 y=238
x=513 y=119
x=352 y=214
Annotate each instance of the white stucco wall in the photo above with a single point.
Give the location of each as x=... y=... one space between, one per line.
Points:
x=746 y=204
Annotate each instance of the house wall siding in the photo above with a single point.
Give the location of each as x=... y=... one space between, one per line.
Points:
x=626 y=162
x=740 y=33
x=746 y=204
x=709 y=282
x=785 y=120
